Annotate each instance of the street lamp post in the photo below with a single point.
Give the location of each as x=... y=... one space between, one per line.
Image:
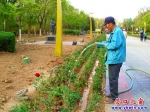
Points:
x=91 y=35
x=132 y=29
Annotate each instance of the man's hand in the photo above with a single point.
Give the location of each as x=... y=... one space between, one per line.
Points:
x=100 y=44
x=95 y=43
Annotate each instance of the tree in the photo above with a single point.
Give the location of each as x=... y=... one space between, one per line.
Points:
x=146 y=19
x=44 y=9
x=11 y=1
x=93 y=24
x=7 y=12
x=127 y=23
x=142 y=17
x=30 y=15
x=27 y=14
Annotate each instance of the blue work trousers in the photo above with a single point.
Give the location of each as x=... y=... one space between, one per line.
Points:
x=114 y=70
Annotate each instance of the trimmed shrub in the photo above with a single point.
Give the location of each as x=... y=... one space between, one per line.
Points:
x=71 y=32
x=7 y=41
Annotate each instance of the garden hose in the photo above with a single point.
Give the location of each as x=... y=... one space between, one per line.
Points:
x=81 y=54
x=133 y=69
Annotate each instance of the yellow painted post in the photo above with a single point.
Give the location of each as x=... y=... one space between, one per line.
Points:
x=139 y=31
x=132 y=29
x=91 y=37
x=97 y=27
x=58 y=45
x=100 y=30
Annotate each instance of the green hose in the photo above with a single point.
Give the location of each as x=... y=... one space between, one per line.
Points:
x=81 y=54
x=132 y=79
x=131 y=82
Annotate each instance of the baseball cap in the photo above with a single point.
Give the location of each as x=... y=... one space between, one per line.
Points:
x=109 y=19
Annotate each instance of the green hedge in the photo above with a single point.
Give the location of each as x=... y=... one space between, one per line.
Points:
x=7 y=41
x=71 y=32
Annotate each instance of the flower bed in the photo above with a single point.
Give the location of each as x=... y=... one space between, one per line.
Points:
x=63 y=89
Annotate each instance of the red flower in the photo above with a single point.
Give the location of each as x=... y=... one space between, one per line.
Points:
x=37 y=75
x=59 y=62
x=60 y=103
x=63 y=81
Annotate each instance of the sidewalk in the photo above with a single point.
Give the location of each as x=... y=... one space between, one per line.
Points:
x=133 y=95
x=64 y=43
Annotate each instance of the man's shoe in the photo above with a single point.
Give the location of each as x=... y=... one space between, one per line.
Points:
x=108 y=95
x=109 y=101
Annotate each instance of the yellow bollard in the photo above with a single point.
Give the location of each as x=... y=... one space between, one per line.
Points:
x=91 y=35
x=58 y=45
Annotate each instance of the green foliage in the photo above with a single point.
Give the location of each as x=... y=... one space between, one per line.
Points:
x=138 y=21
x=30 y=14
x=97 y=79
x=94 y=99
x=146 y=19
x=72 y=18
x=21 y=108
x=7 y=41
x=71 y=32
x=127 y=24
x=67 y=96
x=12 y=1
x=70 y=97
x=95 y=95
x=93 y=24
x=7 y=16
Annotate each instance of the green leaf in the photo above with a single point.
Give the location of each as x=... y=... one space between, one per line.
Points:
x=37 y=111
x=42 y=99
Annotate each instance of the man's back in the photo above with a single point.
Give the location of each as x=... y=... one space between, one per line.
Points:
x=141 y=33
x=116 y=47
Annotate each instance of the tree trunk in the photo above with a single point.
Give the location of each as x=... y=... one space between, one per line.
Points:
x=40 y=32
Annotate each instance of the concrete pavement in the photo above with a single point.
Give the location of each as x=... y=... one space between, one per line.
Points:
x=64 y=43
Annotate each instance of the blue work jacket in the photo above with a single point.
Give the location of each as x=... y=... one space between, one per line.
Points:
x=116 y=47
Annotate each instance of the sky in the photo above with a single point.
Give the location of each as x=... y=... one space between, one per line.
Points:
x=119 y=9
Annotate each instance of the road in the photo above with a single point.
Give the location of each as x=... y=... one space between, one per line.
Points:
x=138 y=53
x=138 y=56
